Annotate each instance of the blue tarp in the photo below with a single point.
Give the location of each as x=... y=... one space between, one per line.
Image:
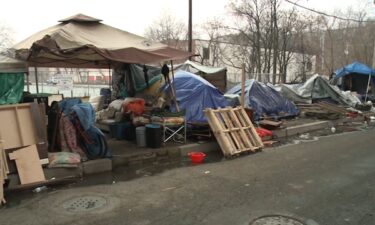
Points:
x=194 y=94
x=265 y=100
x=355 y=67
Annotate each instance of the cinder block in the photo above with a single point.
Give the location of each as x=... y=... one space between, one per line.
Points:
x=279 y=133
x=63 y=172
x=97 y=166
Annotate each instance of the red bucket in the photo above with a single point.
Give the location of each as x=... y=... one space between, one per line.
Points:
x=196 y=157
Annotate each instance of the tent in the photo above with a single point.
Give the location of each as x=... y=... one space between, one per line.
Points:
x=265 y=100
x=314 y=89
x=83 y=41
x=194 y=94
x=217 y=76
x=11 y=80
x=353 y=77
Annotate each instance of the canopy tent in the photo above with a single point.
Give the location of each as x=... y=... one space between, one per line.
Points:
x=353 y=77
x=83 y=41
x=11 y=80
x=354 y=68
x=265 y=100
x=314 y=89
x=217 y=76
x=194 y=94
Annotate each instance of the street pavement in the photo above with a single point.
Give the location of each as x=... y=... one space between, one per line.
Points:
x=327 y=182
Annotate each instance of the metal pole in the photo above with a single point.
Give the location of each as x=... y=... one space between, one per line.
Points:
x=28 y=81
x=171 y=86
x=36 y=80
x=190 y=35
x=368 y=83
x=109 y=76
x=243 y=86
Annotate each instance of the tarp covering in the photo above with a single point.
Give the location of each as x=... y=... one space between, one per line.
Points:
x=314 y=88
x=194 y=94
x=11 y=88
x=193 y=67
x=83 y=41
x=355 y=67
x=217 y=76
x=354 y=77
x=130 y=79
x=265 y=100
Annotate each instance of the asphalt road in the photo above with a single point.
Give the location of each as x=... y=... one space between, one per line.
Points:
x=327 y=182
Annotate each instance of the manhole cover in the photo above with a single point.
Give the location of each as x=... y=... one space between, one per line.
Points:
x=276 y=220
x=84 y=203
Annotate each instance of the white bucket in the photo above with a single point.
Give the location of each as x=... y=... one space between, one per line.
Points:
x=141 y=136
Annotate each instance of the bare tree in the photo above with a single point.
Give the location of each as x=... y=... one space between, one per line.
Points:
x=6 y=37
x=168 y=30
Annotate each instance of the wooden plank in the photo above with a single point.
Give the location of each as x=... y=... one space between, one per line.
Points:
x=233 y=135
x=220 y=137
x=3 y=160
x=28 y=165
x=242 y=132
x=17 y=126
x=253 y=131
x=245 y=123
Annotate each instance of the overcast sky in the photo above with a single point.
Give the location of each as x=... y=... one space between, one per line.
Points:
x=26 y=17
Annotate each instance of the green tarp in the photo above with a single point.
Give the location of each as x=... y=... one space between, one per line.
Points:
x=11 y=87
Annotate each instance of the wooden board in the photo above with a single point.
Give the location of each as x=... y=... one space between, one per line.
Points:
x=233 y=130
x=3 y=173
x=28 y=165
x=17 y=126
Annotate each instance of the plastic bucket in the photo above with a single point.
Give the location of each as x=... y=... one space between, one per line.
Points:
x=196 y=157
x=140 y=133
x=125 y=131
x=153 y=136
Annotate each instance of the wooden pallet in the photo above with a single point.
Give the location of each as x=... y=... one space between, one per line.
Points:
x=233 y=130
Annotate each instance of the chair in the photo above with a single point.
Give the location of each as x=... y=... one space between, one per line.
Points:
x=174 y=126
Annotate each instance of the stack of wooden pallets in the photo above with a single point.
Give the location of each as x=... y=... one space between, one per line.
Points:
x=233 y=130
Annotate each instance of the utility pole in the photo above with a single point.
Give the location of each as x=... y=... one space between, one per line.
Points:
x=190 y=25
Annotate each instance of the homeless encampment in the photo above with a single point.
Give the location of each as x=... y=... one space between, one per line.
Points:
x=316 y=89
x=217 y=76
x=11 y=80
x=353 y=77
x=194 y=94
x=265 y=100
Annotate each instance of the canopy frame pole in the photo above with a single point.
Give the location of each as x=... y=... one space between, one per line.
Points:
x=368 y=83
x=243 y=86
x=36 y=79
x=172 y=89
x=27 y=81
x=109 y=77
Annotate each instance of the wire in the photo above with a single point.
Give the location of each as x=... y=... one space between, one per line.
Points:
x=325 y=14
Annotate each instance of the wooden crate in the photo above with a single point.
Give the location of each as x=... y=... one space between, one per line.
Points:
x=233 y=130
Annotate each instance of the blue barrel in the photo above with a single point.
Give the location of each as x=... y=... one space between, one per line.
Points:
x=153 y=136
x=124 y=131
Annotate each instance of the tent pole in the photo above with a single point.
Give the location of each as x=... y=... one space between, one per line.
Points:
x=368 y=83
x=36 y=80
x=27 y=81
x=172 y=89
x=109 y=76
x=243 y=86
